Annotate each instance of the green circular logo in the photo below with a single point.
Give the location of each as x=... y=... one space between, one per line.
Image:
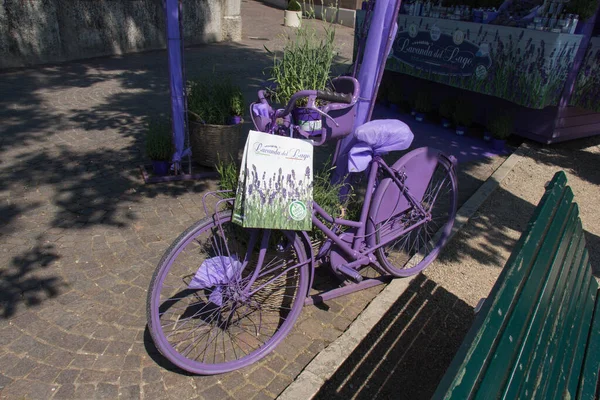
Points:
x=297 y=210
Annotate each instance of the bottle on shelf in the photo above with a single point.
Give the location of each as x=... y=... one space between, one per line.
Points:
x=574 y=24
x=552 y=22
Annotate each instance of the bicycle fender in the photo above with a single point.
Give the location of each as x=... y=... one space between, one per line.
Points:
x=418 y=167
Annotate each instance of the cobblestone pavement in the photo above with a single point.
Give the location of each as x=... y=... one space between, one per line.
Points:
x=80 y=234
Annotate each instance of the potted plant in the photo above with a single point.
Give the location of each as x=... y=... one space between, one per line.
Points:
x=422 y=106
x=382 y=94
x=501 y=128
x=213 y=106
x=293 y=14
x=447 y=111
x=304 y=65
x=395 y=98
x=159 y=146
x=463 y=116
x=237 y=106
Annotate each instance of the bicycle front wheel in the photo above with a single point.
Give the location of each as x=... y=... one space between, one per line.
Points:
x=214 y=306
x=433 y=179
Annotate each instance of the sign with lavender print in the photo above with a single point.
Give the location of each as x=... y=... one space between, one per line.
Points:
x=275 y=183
x=587 y=87
x=527 y=67
x=441 y=53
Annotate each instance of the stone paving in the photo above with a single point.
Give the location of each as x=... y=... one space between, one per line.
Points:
x=80 y=233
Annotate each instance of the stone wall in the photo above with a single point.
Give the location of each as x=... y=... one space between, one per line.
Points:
x=48 y=31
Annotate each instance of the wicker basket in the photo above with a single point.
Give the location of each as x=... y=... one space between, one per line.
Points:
x=213 y=142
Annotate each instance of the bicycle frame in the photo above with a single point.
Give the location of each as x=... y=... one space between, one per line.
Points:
x=362 y=257
x=360 y=254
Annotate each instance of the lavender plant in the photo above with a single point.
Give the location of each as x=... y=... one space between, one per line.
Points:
x=293 y=5
x=463 y=113
x=305 y=63
x=501 y=127
x=159 y=145
x=447 y=108
x=214 y=101
x=422 y=102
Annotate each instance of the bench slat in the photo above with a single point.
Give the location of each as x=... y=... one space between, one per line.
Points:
x=533 y=297
x=575 y=335
x=574 y=372
x=589 y=379
x=565 y=331
x=571 y=373
x=535 y=370
x=469 y=364
x=539 y=331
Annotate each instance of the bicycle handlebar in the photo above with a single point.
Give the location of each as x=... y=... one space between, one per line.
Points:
x=335 y=97
x=327 y=95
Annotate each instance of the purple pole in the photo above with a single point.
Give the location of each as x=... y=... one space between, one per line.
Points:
x=175 y=77
x=382 y=32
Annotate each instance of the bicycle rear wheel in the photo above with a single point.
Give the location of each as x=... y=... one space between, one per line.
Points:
x=199 y=314
x=432 y=179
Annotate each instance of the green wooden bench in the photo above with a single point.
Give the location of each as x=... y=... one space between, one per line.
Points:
x=538 y=333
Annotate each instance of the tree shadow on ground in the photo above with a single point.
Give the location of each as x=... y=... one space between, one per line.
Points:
x=406 y=354
x=491 y=230
x=572 y=157
x=71 y=142
x=19 y=284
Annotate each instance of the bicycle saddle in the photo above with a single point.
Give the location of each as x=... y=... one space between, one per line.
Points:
x=377 y=137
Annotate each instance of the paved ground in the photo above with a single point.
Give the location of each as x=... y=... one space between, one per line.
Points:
x=80 y=234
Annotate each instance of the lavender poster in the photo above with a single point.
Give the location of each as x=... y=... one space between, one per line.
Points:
x=587 y=87
x=275 y=185
x=525 y=66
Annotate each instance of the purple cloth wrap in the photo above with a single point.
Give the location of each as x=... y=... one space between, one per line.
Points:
x=216 y=272
x=377 y=137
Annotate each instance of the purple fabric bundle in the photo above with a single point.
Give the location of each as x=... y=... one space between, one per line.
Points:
x=260 y=116
x=216 y=272
x=377 y=137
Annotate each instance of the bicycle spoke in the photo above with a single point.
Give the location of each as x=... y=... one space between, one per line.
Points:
x=227 y=322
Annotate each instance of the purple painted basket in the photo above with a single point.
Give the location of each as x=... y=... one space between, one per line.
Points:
x=307 y=119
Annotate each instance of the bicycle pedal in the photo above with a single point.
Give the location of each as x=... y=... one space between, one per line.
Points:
x=349 y=273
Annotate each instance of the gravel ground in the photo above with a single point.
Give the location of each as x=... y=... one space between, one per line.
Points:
x=406 y=354
x=471 y=263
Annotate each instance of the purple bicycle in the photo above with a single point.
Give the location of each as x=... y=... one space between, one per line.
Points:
x=223 y=296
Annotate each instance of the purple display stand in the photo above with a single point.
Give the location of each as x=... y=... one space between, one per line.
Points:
x=378 y=44
x=173 y=11
x=556 y=121
x=174 y=50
